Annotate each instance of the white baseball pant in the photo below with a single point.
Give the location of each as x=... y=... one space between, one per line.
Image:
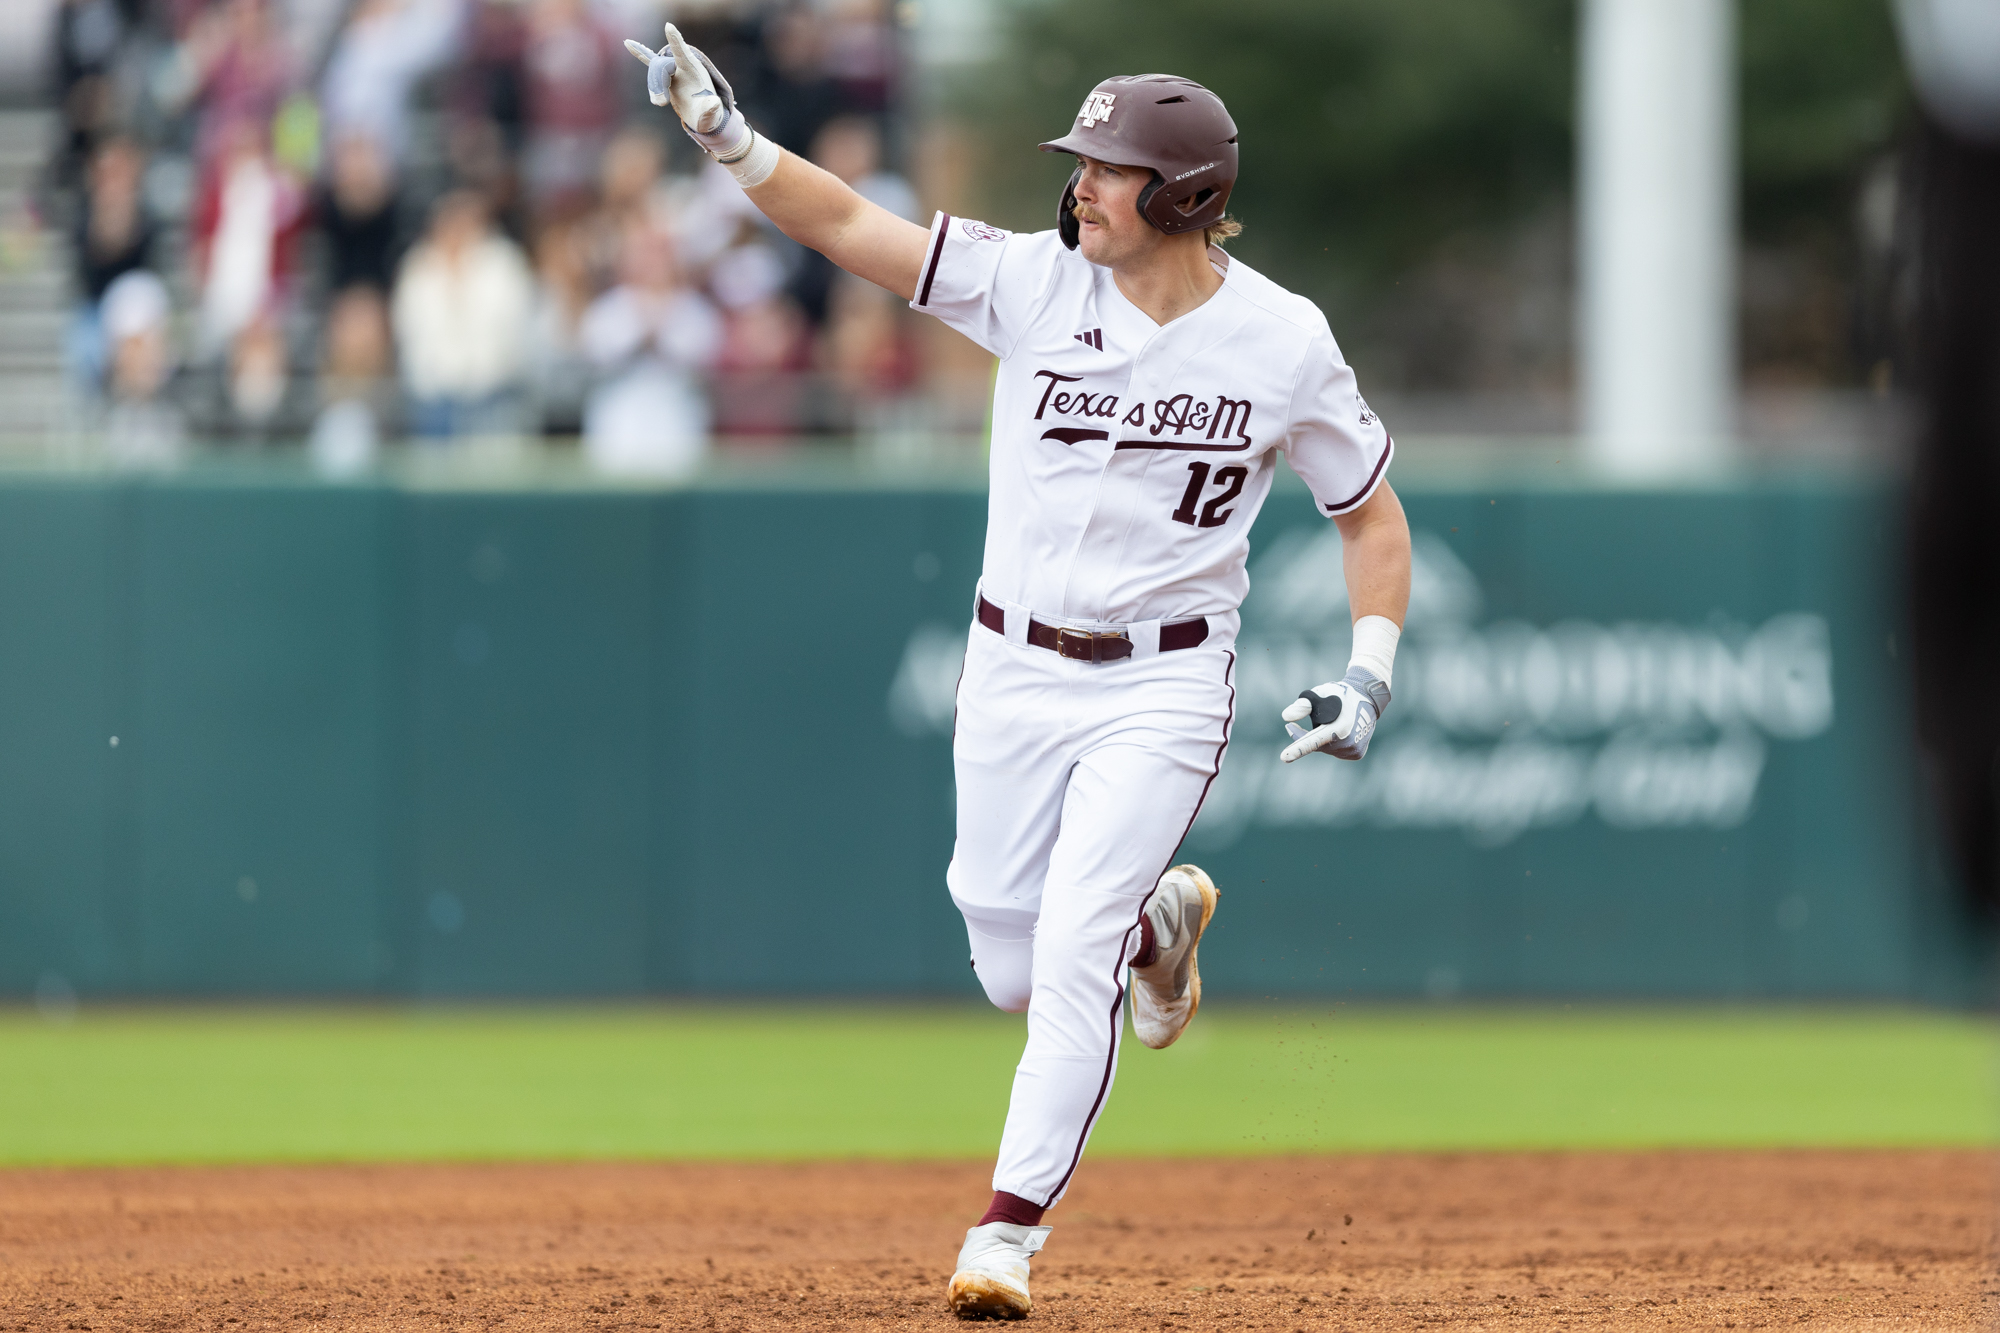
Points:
x=1076 y=784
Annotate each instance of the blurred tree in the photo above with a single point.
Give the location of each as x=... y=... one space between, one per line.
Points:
x=1823 y=96
x=1823 y=90
x=1408 y=163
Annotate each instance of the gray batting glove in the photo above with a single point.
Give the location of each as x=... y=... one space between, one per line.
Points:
x=684 y=78
x=1338 y=717
x=660 y=66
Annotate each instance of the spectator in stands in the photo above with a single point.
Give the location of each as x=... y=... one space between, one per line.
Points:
x=381 y=53
x=87 y=38
x=850 y=147
x=486 y=131
x=712 y=216
x=794 y=97
x=577 y=258
x=460 y=312
x=859 y=52
x=866 y=347
x=630 y=193
x=260 y=375
x=114 y=233
x=234 y=68
x=246 y=226
x=358 y=214
x=477 y=157
x=766 y=347
x=354 y=385
x=136 y=315
x=559 y=372
x=647 y=336
x=574 y=72
x=491 y=80
x=114 y=236
x=142 y=429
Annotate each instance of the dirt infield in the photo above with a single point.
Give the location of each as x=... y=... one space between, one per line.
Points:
x=1710 y=1240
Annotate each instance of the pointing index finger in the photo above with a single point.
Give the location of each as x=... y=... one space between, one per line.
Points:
x=678 y=46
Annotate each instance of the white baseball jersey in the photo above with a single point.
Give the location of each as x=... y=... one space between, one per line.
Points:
x=1130 y=458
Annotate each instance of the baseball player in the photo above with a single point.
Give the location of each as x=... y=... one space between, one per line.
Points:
x=1146 y=385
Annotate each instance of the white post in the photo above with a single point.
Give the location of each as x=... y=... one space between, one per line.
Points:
x=1656 y=162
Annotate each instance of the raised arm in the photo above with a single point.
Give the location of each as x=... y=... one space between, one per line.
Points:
x=811 y=206
x=816 y=208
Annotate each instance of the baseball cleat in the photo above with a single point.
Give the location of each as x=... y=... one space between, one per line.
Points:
x=992 y=1277
x=1167 y=991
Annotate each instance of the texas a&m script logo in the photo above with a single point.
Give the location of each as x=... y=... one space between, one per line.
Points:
x=1096 y=107
x=1179 y=421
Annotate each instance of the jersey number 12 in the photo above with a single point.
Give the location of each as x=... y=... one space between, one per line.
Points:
x=1213 y=515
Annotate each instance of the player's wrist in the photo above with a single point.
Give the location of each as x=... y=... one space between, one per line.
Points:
x=756 y=163
x=1375 y=639
x=744 y=153
x=728 y=141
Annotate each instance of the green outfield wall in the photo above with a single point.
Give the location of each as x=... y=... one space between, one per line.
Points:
x=261 y=736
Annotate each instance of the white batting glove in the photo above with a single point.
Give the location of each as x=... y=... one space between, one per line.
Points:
x=1338 y=717
x=684 y=78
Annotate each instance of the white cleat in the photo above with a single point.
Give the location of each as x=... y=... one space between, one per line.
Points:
x=992 y=1277
x=1166 y=993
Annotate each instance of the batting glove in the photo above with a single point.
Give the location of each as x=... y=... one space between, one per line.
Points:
x=684 y=78
x=1338 y=717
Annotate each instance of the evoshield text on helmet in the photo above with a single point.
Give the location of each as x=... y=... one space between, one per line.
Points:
x=1172 y=126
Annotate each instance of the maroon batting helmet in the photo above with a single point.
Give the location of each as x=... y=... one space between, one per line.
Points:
x=1175 y=127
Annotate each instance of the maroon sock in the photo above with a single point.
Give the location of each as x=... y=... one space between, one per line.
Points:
x=1149 y=950
x=1012 y=1208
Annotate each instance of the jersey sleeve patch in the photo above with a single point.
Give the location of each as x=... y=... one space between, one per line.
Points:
x=1335 y=441
x=982 y=280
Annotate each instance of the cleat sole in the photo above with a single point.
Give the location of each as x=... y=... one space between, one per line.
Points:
x=976 y=1296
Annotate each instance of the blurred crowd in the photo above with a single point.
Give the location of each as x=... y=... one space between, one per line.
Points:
x=351 y=221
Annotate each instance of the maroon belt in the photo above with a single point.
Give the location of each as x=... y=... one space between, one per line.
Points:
x=1088 y=646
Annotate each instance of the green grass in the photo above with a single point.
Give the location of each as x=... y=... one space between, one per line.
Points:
x=281 y=1084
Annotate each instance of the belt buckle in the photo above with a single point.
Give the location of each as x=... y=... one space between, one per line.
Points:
x=1064 y=633
x=1094 y=638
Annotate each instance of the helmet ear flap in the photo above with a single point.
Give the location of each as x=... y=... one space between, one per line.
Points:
x=1067 y=226
x=1177 y=216
x=1146 y=200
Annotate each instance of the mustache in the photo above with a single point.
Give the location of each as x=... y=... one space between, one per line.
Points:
x=1085 y=213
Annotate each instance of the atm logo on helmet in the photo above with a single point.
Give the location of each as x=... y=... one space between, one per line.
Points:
x=1096 y=107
